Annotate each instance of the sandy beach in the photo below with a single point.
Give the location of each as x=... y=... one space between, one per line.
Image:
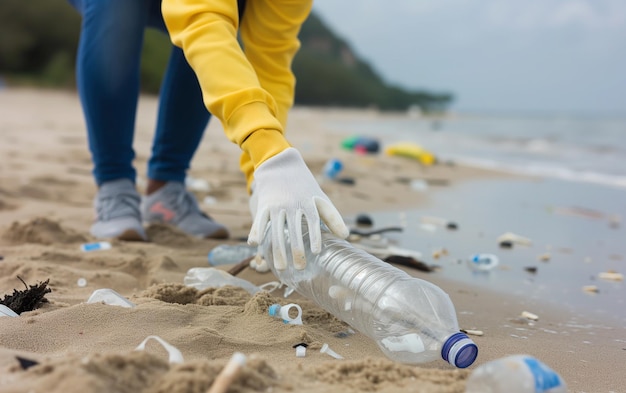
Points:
x=46 y=193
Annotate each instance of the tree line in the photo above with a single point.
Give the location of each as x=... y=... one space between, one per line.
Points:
x=39 y=39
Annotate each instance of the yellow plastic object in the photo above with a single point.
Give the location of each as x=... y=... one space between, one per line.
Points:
x=411 y=150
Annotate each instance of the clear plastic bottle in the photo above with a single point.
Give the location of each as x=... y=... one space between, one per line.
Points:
x=411 y=320
x=515 y=374
x=225 y=254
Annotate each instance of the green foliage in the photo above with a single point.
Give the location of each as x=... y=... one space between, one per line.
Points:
x=39 y=39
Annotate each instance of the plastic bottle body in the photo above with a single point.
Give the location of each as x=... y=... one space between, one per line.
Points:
x=412 y=320
x=225 y=254
x=515 y=374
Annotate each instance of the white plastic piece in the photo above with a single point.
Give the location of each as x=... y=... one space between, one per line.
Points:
x=210 y=277
x=283 y=311
x=110 y=297
x=326 y=349
x=197 y=184
x=288 y=291
x=611 y=276
x=529 y=315
x=98 y=246
x=408 y=343
x=7 y=312
x=513 y=238
x=81 y=282
x=300 y=351
x=270 y=286
x=175 y=355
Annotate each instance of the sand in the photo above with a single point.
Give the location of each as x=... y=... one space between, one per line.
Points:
x=46 y=193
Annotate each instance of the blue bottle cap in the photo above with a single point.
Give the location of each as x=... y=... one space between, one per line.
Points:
x=459 y=350
x=273 y=310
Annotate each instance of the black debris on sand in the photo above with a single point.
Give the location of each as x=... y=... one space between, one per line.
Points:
x=28 y=299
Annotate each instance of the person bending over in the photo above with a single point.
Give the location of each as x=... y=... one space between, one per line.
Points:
x=250 y=88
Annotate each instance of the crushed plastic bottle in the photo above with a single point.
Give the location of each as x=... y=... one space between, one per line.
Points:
x=411 y=320
x=515 y=374
x=225 y=254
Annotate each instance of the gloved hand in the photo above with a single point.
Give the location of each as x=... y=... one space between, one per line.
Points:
x=284 y=192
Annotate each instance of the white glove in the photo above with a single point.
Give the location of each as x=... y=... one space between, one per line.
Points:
x=285 y=191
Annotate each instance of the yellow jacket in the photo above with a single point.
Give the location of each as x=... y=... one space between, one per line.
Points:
x=249 y=90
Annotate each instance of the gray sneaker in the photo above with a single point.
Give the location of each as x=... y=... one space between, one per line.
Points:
x=173 y=204
x=117 y=212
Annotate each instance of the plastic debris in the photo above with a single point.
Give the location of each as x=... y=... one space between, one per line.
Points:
x=276 y=310
x=81 y=282
x=326 y=349
x=97 y=246
x=544 y=257
x=25 y=364
x=210 y=277
x=439 y=221
x=332 y=168
x=209 y=200
x=529 y=315
x=228 y=374
x=110 y=297
x=531 y=269
x=473 y=332
x=259 y=264
x=270 y=286
x=7 y=312
x=300 y=349
x=175 y=356
x=515 y=239
x=590 y=289
x=419 y=185
x=483 y=262
x=364 y=220
x=197 y=184
x=611 y=276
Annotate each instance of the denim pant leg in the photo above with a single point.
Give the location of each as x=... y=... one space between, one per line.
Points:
x=182 y=116
x=108 y=61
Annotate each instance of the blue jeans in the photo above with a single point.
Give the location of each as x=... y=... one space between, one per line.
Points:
x=108 y=73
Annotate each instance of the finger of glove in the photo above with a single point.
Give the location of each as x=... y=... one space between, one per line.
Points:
x=257 y=232
x=315 y=233
x=331 y=216
x=278 y=240
x=297 y=242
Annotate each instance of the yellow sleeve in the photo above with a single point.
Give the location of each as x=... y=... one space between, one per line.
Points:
x=250 y=93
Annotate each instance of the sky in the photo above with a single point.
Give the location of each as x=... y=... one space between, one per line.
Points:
x=500 y=56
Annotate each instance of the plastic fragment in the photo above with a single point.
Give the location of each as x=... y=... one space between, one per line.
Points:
x=98 y=246
x=326 y=349
x=175 y=356
x=276 y=310
x=473 y=332
x=7 y=312
x=590 y=289
x=529 y=315
x=110 y=297
x=514 y=238
x=611 y=276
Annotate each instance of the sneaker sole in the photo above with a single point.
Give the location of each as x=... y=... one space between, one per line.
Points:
x=131 y=235
x=219 y=234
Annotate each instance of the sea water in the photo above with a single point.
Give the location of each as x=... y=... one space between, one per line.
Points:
x=573 y=206
x=574 y=148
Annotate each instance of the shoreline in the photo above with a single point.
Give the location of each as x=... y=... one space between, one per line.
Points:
x=46 y=174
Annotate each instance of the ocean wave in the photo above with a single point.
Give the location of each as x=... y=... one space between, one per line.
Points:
x=546 y=170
